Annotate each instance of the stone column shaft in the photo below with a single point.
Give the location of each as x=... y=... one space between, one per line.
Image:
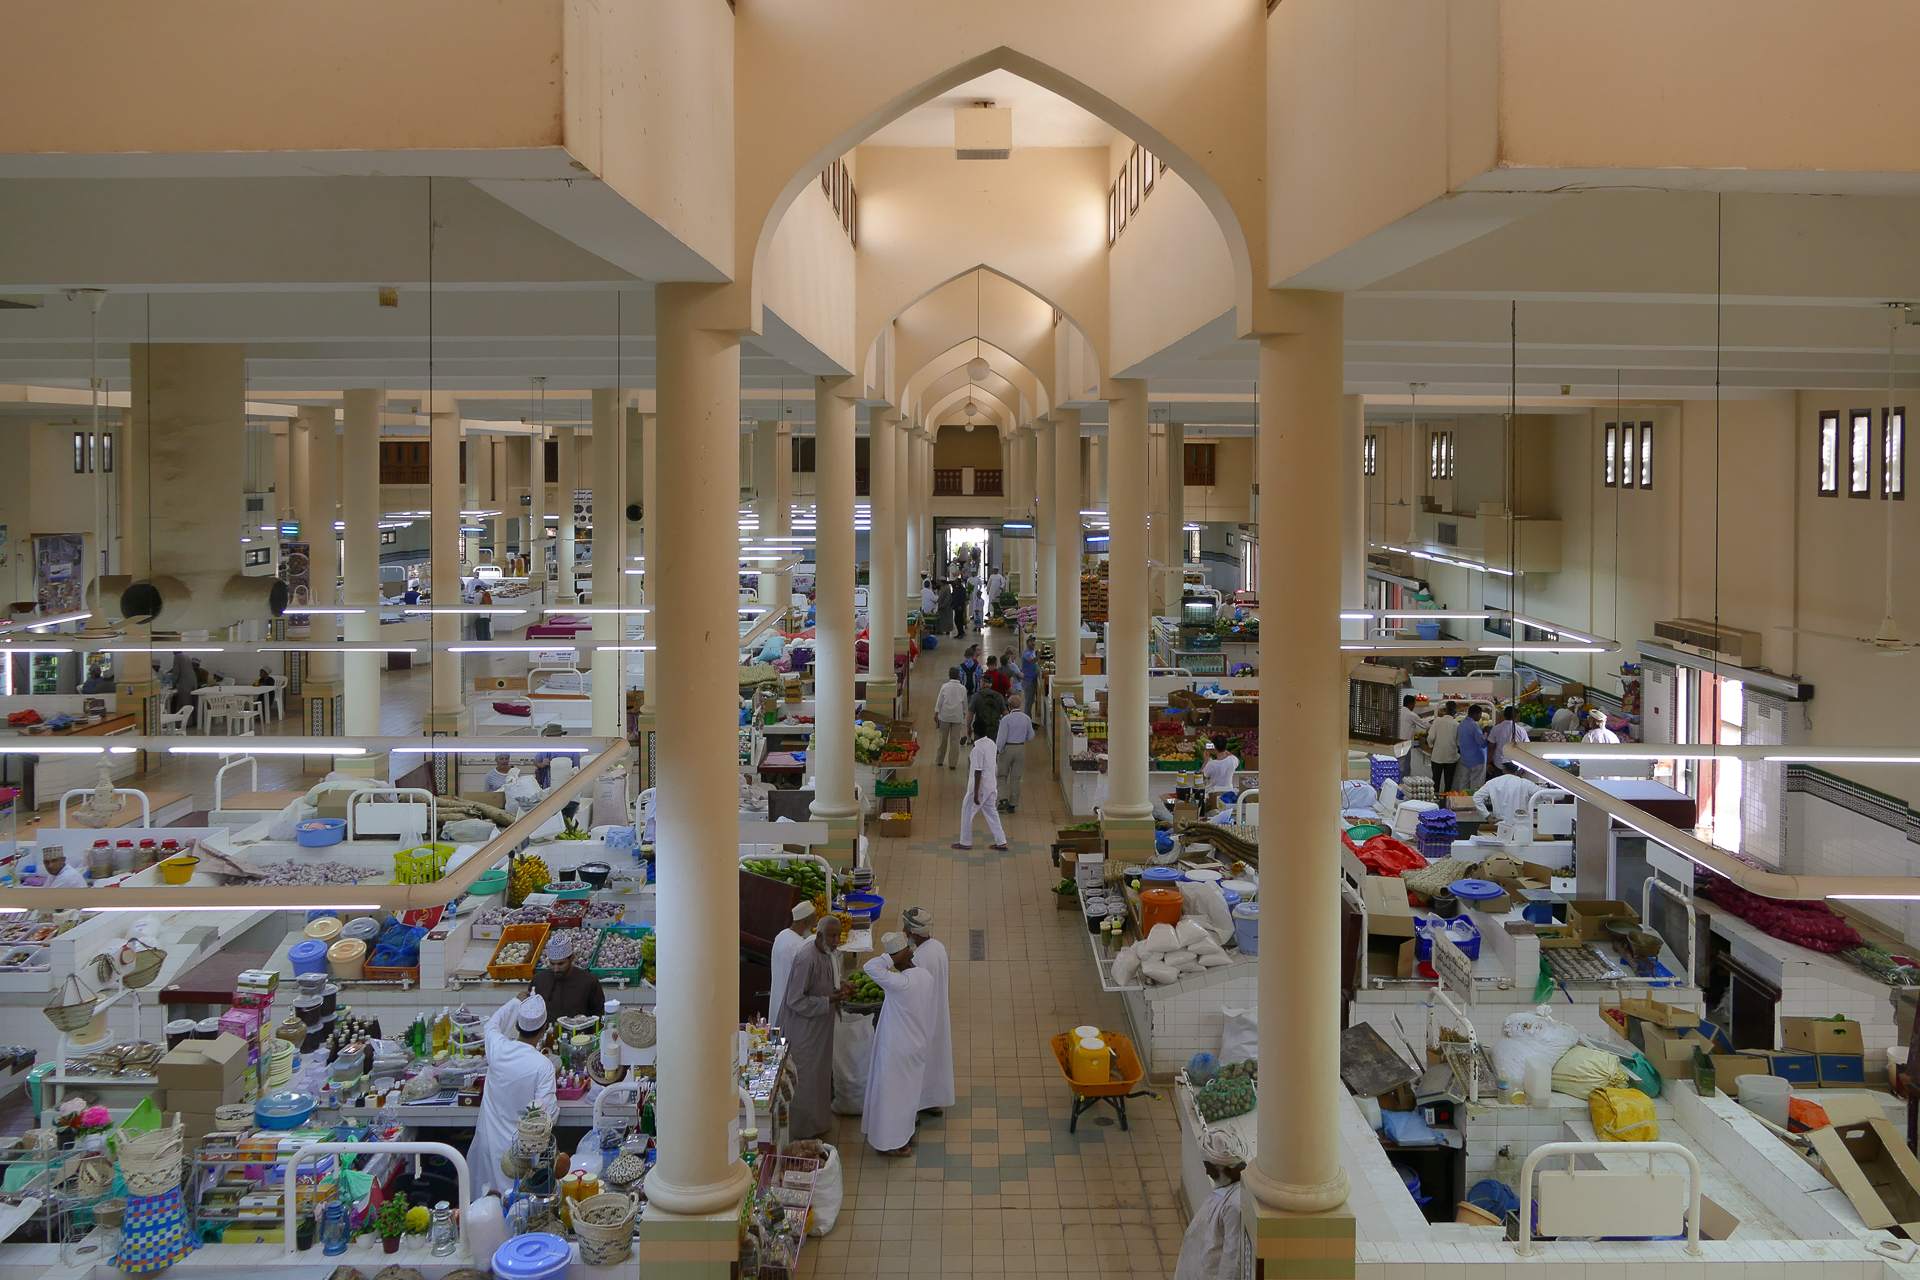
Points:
x=609 y=534
x=833 y=798
x=360 y=511
x=449 y=700
x=1046 y=570
x=883 y=579
x=1066 y=551
x=1128 y=463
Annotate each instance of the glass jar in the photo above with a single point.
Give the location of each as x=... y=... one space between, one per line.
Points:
x=333 y=1231
x=100 y=860
x=123 y=855
x=443 y=1235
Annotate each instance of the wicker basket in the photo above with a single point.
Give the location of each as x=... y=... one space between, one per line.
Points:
x=150 y=1180
x=145 y=967
x=637 y=1028
x=608 y=1242
x=231 y=1116
x=72 y=1005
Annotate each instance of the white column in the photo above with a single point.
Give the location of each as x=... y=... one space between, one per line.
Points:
x=930 y=551
x=909 y=596
x=914 y=563
x=1353 y=515
x=360 y=510
x=319 y=511
x=698 y=380
x=449 y=701
x=569 y=481
x=609 y=535
x=833 y=408
x=1176 y=479
x=763 y=499
x=537 y=514
x=883 y=579
x=1129 y=499
x=1046 y=570
x=1066 y=550
x=1302 y=740
x=642 y=435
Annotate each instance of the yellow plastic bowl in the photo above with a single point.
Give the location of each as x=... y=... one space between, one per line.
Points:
x=178 y=870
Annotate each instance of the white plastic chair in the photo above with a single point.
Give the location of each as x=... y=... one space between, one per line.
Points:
x=174 y=723
x=237 y=712
x=276 y=699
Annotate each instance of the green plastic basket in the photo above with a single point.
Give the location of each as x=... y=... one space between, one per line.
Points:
x=631 y=974
x=889 y=789
x=421 y=865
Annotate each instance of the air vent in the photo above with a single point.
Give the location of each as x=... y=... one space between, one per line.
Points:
x=984 y=132
x=1447 y=535
x=1735 y=643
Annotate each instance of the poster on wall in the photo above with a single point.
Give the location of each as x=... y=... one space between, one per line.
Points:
x=6 y=549
x=59 y=584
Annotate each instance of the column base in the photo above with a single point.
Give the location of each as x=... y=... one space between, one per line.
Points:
x=688 y=1247
x=442 y=721
x=843 y=840
x=882 y=692
x=322 y=707
x=1298 y=1246
x=1128 y=839
x=373 y=765
x=646 y=726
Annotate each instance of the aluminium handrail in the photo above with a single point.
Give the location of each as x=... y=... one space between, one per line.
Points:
x=1647 y=886
x=1473 y=1037
x=1572 y=1149
x=220 y=777
x=355 y=800
x=290 y=1180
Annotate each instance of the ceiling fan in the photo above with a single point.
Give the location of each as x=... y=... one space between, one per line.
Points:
x=1887 y=640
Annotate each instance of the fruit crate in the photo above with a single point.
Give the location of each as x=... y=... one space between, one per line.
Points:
x=895 y=826
x=888 y=788
x=534 y=933
x=632 y=974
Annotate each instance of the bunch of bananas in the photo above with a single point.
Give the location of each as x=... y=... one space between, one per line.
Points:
x=529 y=875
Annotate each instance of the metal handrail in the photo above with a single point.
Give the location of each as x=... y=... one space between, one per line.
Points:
x=220 y=776
x=146 y=806
x=290 y=1180
x=1572 y=1149
x=356 y=799
x=1239 y=804
x=1647 y=886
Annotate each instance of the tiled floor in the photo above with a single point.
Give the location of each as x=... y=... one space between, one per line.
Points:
x=997 y=1186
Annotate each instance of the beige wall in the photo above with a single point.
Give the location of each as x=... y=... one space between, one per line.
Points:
x=1170 y=272
x=809 y=276
x=959 y=447
x=1233 y=468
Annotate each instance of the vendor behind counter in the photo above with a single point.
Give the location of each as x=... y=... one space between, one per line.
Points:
x=568 y=989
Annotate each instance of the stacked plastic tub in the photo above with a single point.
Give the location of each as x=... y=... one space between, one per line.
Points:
x=1382 y=769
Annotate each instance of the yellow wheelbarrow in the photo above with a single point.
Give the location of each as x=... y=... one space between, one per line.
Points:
x=1126 y=1073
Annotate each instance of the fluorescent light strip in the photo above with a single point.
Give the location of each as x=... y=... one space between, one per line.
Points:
x=1819 y=759
x=561 y=609
x=343 y=906
x=477 y=609
x=317 y=611
x=332 y=648
x=158 y=648
x=1525 y=647
x=268 y=751
x=511 y=648
x=60 y=620
x=623 y=648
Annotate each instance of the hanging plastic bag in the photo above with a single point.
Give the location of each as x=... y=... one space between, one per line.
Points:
x=828 y=1190
x=1526 y=1036
x=1241 y=1040
x=852 y=1057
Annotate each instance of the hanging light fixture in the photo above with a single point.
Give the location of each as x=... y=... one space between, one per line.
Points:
x=977 y=368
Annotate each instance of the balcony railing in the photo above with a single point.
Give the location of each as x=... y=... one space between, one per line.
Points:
x=947 y=482
x=986 y=481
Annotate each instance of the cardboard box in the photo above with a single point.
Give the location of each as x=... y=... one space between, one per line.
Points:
x=1872 y=1165
x=1841 y=1070
x=1845 y=1109
x=1388 y=912
x=1671 y=1052
x=1408 y=958
x=1790 y=1065
x=1821 y=1035
x=203 y=1101
x=1589 y=917
x=1715 y=1223
x=1661 y=1014
x=197 y=1125
x=1556 y=935
x=896 y=825
x=1729 y=1067
x=209 y=1065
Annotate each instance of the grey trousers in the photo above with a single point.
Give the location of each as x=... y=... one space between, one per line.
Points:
x=1013 y=764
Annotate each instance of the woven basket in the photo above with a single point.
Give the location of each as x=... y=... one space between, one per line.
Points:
x=147 y=1182
x=161 y=1146
x=230 y=1116
x=145 y=967
x=72 y=1005
x=637 y=1028
x=610 y=1243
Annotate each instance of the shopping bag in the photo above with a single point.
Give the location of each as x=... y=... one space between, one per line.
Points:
x=852 y=1056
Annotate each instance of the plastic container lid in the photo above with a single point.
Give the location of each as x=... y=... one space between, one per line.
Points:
x=1165 y=874
x=366 y=928
x=347 y=950
x=1247 y=910
x=326 y=929
x=1082 y=1033
x=535 y=1256
x=1092 y=1044
x=308 y=955
x=1203 y=877
x=1475 y=890
x=1244 y=888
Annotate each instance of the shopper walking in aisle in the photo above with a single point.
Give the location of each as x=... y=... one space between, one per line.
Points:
x=1010 y=740
x=806 y=1008
x=957 y=606
x=983 y=790
x=998 y=677
x=785 y=947
x=1567 y=718
x=1502 y=736
x=897 y=1075
x=501 y=773
x=977 y=603
x=970 y=669
x=930 y=954
x=518 y=1076
x=1473 y=751
x=996 y=587
x=1597 y=730
x=986 y=708
x=1030 y=678
x=950 y=713
x=1505 y=796
x=1443 y=746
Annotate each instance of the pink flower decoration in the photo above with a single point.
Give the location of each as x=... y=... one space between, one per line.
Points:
x=96 y=1116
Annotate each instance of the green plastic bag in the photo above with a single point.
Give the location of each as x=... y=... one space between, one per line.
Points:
x=1642 y=1075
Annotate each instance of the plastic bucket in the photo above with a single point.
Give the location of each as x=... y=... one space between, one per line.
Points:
x=1246 y=928
x=325 y=929
x=1160 y=906
x=1765 y=1096
x=1247 y=889
x=1088 y=1061
x=347 y=958
x=538 y=1256
x=308 y=956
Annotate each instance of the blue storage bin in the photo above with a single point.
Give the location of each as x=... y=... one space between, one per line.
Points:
x=308 y=956
x=537 y=1256
x=318 y=833
x=1246 y=928
x=1459 y=930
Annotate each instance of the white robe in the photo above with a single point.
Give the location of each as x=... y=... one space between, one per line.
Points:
x=784 y=948
x=899 y=1054
x=70 y=877
x=517 y=1074
x=936 y=1090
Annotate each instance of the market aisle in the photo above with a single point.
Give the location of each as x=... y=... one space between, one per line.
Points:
x=997 y=1186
